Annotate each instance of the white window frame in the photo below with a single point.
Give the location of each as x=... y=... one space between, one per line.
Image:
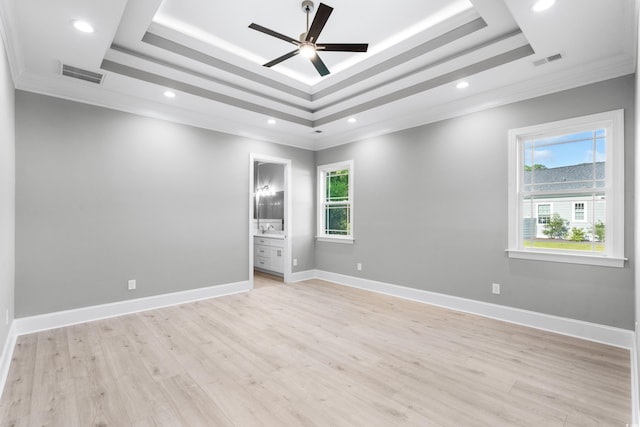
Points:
x=613 y=121
x=322 y=172
x=538 y=211
x=584 y=212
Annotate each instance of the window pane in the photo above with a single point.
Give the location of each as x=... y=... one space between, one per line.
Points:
x=544 y=214
x=599 y=218
x=528 y=164
x=578 y=211
x=529 y=225
x=600 y=159
x=337 y=186
x=567 y=162
x=554 y=228
x=337 y=220
x=565 y=198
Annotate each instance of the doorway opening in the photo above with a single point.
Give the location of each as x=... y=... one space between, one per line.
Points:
x=270 y=220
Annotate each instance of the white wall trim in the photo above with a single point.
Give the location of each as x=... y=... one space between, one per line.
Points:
x=322 y=171
x=27 y=325
x=617 y=337
x=6 y=356
x=585 y=330
x=301 y=276
x=571 y=258
x=613 y=122
x=7 y=33
x=288 y=212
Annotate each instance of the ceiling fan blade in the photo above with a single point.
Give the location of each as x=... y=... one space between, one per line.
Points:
x=343 y=47
x=322 y=15
x=274 y=34
x=317 y=62
x=282 y=58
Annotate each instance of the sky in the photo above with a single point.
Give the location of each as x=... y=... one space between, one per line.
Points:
x=566 y=150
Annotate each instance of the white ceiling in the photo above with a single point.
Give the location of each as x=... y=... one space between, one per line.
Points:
x=205 y=52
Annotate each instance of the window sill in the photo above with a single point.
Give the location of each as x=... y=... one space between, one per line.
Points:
x=572 y=258
x=343 y=240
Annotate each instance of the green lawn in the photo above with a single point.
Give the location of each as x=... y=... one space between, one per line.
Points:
x=564 y=244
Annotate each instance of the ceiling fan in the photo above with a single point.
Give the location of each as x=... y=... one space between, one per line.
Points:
x=307 y=45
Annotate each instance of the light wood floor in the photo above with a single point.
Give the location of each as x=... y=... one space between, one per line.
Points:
x=312 y=353
x=262 y=279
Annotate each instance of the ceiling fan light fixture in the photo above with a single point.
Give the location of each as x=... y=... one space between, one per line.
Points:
x=308 y=50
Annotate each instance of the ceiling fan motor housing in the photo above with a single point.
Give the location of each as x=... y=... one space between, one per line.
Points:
x=307 y=6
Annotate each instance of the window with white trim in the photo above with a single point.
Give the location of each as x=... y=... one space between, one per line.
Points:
x=579 y=212
x=544 y=213
x=335 y=202
x=566 y=190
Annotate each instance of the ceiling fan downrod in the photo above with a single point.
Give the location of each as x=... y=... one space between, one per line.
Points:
x=307 y=8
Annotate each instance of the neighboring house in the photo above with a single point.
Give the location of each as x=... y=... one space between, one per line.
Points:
x=581 y=212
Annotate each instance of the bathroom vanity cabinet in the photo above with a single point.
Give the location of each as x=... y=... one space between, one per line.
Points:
x=269 y=254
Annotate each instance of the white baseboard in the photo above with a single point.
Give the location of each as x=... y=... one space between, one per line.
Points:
x=635 y=383
x=7 y=355
x=576 y=328
x=27 y=325
x=301 y=276
x=589 y=331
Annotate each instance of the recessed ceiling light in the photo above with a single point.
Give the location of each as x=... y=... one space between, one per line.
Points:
x=169 y=94
x=352 y=120
x=83 y=26
x=541 y=5
x=271 y=121
x=463 y=84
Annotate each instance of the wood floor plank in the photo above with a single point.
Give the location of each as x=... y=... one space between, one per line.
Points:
x=15 y=406
x=55 y=401
x=191 y=402
x=317 y=354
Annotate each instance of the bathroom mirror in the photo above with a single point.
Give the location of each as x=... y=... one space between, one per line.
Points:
x=270 y=206
x=269 y=191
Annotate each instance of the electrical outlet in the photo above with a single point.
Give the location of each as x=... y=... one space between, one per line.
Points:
x=359 y=266
x=132 y=284
x=495 y=288
x=295 y=262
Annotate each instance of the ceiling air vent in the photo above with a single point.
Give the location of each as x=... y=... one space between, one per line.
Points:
x=318 y=131
x=548 y=59
x=79 y=73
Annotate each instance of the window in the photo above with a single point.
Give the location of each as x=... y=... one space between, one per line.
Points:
x=579 y=212
x=335 y=204
x=544 y=213
x=566 y=191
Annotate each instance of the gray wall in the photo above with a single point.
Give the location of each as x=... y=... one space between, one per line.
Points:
x=104 y=196
x=7 y=196
x=637 y=222
x=431 y=212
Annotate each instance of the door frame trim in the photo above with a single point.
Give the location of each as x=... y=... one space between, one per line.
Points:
x=288 y=212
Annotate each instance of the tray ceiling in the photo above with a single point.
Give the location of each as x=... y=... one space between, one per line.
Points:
x=205 y=53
